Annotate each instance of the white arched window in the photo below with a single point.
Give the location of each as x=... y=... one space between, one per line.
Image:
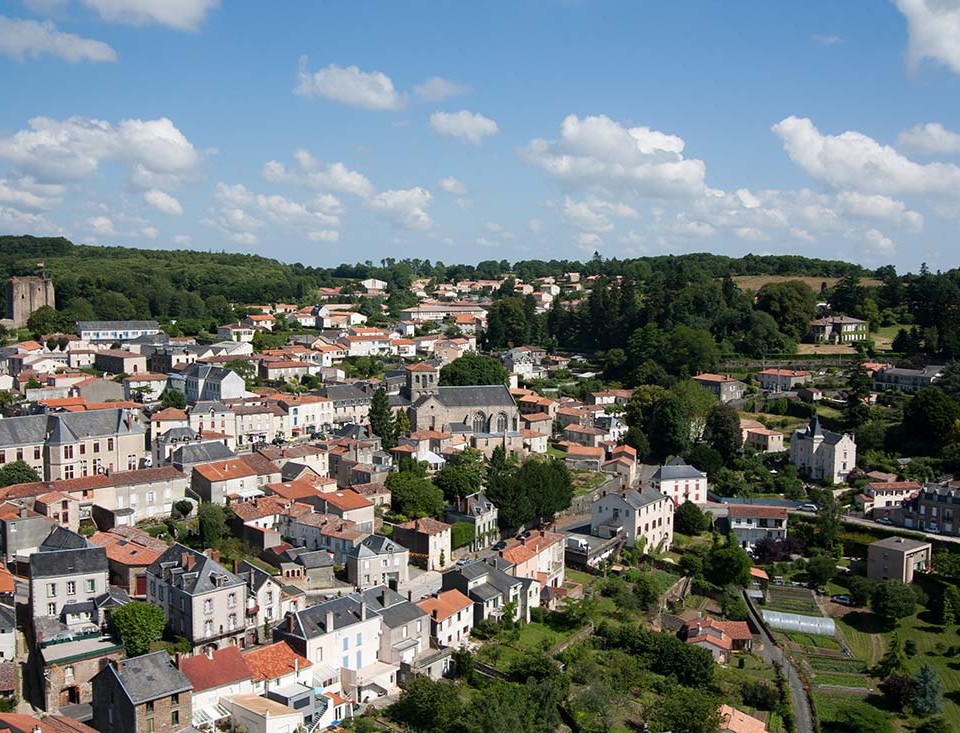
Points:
x=479 y=423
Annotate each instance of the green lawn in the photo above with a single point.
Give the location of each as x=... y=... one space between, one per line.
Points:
x=857 y=628
x=578 y=576
x=867 y=640
x=586 y=481
x=536 y=637
x=662 y=580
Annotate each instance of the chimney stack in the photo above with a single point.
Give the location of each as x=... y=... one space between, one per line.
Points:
x=435 y=613
x=363 y=610
x=289 y=621
x=328 y=622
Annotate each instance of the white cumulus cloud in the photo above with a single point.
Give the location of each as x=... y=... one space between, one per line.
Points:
x=243 y=212
x=933 y=30
x=324 y=235
x=349 y=85
x=102 y=225
x=597 y=152
x=316 y=174
x=879 y=208
x=452 y=185
x=464 y=125
x=60 y=151
x=25 y=193
x=852 y=160
x=163 y=202
x=436 y=89
x=22 y=39
x=184 y=15
x=593 y=215
x=405 y=207
x=929 y=139
x=879 y=243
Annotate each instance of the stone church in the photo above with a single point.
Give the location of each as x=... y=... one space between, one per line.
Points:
x=484 y=409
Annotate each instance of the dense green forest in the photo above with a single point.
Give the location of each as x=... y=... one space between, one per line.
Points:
x=676 y=314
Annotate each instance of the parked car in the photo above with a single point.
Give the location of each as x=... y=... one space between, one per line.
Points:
x=777 y=580
x=808 y=508
x=884 y=520
x=933 y=528
x=843 y=599
x=501 y=545
x=463 y=561
x=523 y=535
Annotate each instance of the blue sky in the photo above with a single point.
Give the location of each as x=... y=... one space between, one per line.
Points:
x=327 y=132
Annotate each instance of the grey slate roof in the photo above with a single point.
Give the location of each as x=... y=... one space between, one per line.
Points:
x=207 y=406
x=206 y=372
x=473 y=396
x=117 y=325
x=353 y=431
x=316 y=559
x=62 y=538
x=254 y=577
x=187 y=455
x=375 y=545
x=675 y=470
x=199 y=574
x=113 y=598
x=646 y=495
x=177 y=434
x=312 y=622
x=149 y=677
x=8 y=619
x=344 y=393
x=813 y=430
x=394 y=609
x=65 y=427
x=68 y=562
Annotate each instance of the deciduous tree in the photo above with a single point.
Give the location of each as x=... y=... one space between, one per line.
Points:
x=139 y=625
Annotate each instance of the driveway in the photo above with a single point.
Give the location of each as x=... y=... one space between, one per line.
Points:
x=771 y=653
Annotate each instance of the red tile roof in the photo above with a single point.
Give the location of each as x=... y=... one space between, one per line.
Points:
x=426 y=525
x=20 y=723
x=171 y=413
x=445 y=604
x=273 y=661
x=7 y=584
x=346 y=500
x=761 y=511
x=225 y=667
x=224 y=470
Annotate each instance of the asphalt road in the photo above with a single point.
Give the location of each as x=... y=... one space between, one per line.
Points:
x=889 y=527
x=772 y=653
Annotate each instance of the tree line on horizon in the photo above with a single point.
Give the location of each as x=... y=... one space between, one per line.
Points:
x=651 y=318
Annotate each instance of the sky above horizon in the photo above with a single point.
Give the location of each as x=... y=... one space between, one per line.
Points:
x=530 y=129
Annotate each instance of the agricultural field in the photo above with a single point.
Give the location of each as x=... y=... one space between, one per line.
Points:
x=792 y=600
x=752 y=283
